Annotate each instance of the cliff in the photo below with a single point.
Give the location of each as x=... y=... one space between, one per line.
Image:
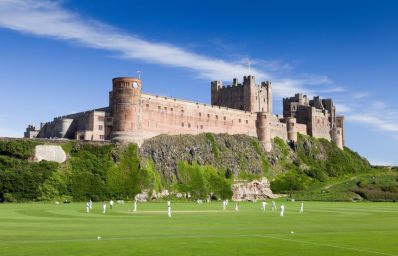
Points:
x=221 y=165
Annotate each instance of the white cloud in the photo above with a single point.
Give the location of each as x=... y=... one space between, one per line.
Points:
x=334 y=89
x=378 y=105
x=360 y=95
x=49 y=19
x=379 y=121
x=342 y=108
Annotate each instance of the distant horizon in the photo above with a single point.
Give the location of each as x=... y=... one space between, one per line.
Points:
x=69 y=51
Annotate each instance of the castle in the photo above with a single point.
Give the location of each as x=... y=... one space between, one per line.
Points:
x=240 y=108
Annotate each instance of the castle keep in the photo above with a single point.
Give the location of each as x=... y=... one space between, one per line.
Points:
x=240 y=108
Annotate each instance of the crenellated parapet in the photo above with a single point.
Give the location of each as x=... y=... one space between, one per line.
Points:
x=247 y=96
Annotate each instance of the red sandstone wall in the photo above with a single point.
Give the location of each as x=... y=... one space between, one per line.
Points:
x=160 y=115
x=301 y=128
x=278 y=129
x=320 y=126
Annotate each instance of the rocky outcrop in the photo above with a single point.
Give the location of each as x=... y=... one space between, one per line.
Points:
x=252 y=190
x=233 y=153
x=53 y=153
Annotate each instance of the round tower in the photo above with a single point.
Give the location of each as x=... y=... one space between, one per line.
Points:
x=125 y=105
x=264 y=130
x=339 y=138
x=291 y=129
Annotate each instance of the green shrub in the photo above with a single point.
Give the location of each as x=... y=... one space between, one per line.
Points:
x=264 y=159
x=214 y=146
x=316 y=173
x=283 y=147
x=201 y=181
x=22 y=149
x=288 y=183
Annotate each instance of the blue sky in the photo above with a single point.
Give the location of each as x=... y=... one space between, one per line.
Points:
x=58 y=57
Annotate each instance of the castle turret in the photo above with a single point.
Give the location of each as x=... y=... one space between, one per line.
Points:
x=126 y=109
x=291 y=129
x=250 y=91
x=64 y=125
x=269 y=96
x=215 y=88
x=264 y=130
x=340 y=124
x=339 y=138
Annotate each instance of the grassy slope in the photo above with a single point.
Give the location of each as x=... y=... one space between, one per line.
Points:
x=375 y=184
x=324 y=229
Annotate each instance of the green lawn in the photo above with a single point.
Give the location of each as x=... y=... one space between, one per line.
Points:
x=323 y=229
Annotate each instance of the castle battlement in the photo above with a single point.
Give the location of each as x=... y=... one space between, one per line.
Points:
x=239 y=108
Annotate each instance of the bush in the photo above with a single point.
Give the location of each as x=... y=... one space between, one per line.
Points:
x=316 y=173
x=22 y=149
x=201 y=181
x=288 y=183
x=263 y=158
x=8 y=197
x=22 y=179
x=376 y=194
x=214 y=146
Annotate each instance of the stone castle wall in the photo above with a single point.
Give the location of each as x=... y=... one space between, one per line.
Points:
x=319 y=125
x=133 y=116
x=162 y=115
x=301 y=128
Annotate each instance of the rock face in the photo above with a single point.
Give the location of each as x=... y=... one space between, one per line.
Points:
x=50 y=153
x=251 y=191
x=233 y=153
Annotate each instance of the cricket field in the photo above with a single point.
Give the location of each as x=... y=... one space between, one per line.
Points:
x=325 y=228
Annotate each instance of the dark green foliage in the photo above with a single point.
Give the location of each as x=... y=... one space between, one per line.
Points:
x=22 y=149
x=21 y=180
x=316 y=173
x=90 y=172
x=201 y=181
x=89 y=165
x=289 y=182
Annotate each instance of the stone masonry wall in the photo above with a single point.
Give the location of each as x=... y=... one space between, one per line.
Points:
x=162 y=115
